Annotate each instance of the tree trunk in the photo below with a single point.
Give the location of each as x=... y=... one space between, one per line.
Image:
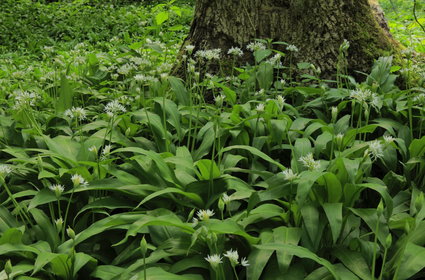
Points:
x=316 y=27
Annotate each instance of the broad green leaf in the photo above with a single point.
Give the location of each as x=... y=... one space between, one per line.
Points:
x=192 y=196
x=207 y=169
x=44 y=196
x=413 y=261
x=182 y=95
x=255 y=152
x=161 y=17
x=333 y=212
x=354 y=261
x=285 y=235
x=258 y=258
x=301 y=252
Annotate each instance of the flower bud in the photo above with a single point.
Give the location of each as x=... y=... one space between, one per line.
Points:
x=70 y=232
x=143 y=246
x=334 y=114
x=419 y=201
x=407 y=227
x=59 y=224
x=8 y=267
x=388 y=241
x=380 y=209
x=221 y=204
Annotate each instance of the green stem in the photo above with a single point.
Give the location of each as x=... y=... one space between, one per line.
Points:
x=144 y=267
x=375 y=244
x=383 y=263
x=234 y=271
x=66 y=215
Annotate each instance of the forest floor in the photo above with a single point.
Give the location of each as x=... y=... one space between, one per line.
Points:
x=111 y=168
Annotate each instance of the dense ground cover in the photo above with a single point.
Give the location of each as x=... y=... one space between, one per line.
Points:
x=110 y=168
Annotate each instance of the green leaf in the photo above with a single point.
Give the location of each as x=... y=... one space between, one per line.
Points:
x=66 y=95
x=192 y=196
x=413 y=261
x=354 y=261
x=261 y=55
x=334 y=214
x=255 y=152
x=161 y=17
x=44 y=196
x=208 y=169
x=258 y=258
x=179 y=90
x=285 y=235
x=300 y=252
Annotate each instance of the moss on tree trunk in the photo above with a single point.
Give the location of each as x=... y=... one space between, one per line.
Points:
x=316 y=27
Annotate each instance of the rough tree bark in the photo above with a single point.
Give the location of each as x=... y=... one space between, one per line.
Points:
x=316 y=27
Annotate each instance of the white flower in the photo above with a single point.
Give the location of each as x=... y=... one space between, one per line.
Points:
x=125 y=69
x=281 y=100
x=289 y=175
x=376 y=149
x=57 y=189
x=5 y=170
x=275 y=60
x=226 y=199
x=260 y=108
x=114 y=107
x=255 y=46
x=219 y=99
x=190 y=48
x=140 y=78
x=78 y=180
x=105 y=152
x=214 y=260
x=376 y=101
x=76 y=112
x=233 y=257
x=205 y=215
x=309 y=162
x=292 y=48
x=244 y=262
x=93 y=149
x=345 y=45
x=260 y=92
x=209 y=54
x=25 y=99
x=388 y=139
x=235 y=51
x=361 y=95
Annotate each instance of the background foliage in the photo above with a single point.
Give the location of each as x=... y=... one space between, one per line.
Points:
x=110 y=168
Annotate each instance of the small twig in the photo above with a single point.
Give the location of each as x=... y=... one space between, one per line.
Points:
x=414 y=14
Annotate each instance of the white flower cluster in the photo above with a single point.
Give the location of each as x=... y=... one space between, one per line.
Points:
x=309 y=162
x=205 y=215
x=209 y=54
x=78 y=180
x=58 y=189
x=113 y=108
x=292 y=48
x=289 y=175
x=255 y=46
x=76 y=113
x=376 y=150
x=232 y=255
x=235 y=51
x=5 y=170
x=24 y=99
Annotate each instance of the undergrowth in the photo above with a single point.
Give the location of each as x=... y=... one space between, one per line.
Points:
x=110 y=168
